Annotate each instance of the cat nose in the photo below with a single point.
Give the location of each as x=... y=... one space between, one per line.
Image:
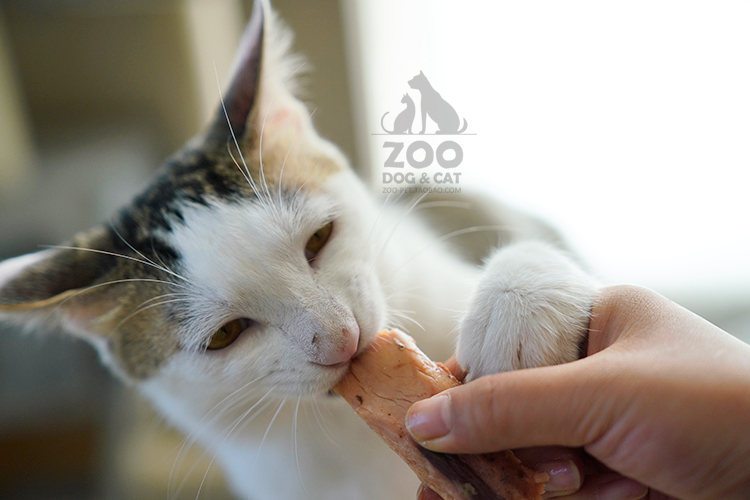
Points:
x=340 y=349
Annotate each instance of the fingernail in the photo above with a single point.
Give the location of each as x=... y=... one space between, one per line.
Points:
x=425 y=493
x=430 y=418
x=563 y=476
x=621 y=489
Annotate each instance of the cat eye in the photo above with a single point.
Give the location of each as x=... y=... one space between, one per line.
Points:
x=228 y=333
x=317 y=241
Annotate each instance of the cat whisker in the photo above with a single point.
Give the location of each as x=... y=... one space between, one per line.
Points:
x=395 y=227
x=227 y=402
x=377 y=219
x=394 y=323
x=463 y=205
x=113 y=282
x=382 y=210
x=161 y=267
x=283 y=164
x=244 y=415
x=321 y=421
x=410 y=290
x=246 y=171
x=450 y=310
x=245 y=174
x=153 y=299
x=268 y=429
x=187 y=444
x=402 y=294
x=237 y=421
x=142 y=309
x=299 y=189
x=404 y=315
x=244 y=423
x=401 y=311
x=248 y=177
x=260 y=140
x=161 y=262
x=263 y=128
x=453 y=234
x=114 y=254
x=296 y=448
x=226 y=117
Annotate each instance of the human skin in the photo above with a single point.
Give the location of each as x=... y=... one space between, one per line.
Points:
x=662 y=400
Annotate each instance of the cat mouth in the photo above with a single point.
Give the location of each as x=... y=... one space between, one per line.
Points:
x=339 y=365
x=366 y=337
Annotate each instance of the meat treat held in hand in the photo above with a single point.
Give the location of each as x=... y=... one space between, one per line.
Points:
x=381 y=386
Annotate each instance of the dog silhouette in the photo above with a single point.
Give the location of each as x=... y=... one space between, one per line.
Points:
x=436 y=107
x=403 y=122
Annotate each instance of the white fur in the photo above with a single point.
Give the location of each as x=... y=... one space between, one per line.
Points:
x=531 y=308
x=254 y=404
x=251 y=264
x=246 y=259
x=11 y=267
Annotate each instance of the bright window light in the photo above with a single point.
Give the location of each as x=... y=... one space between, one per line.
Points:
x=625 y=124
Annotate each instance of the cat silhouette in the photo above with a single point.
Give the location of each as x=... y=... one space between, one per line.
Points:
x=436 y=107
x=403 y=122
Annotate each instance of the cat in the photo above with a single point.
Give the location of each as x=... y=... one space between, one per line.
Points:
x=436 y=107
x=235 y=288
x=403 y=122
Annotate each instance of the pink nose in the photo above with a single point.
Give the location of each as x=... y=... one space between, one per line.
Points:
x=342 y=349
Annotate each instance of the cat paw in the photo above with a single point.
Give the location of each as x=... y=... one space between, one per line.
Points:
x=530 y=308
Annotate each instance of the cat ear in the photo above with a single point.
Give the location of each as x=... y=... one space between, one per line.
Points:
x=87 y=291
x=260 y=96
x=50 y=285
x=239 y=98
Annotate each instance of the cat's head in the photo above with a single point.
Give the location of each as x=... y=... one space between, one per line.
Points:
x=247 y=260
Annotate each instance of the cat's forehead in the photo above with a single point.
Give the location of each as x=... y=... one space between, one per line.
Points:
x=204 y=175
x=263 y=227
x=224 y=245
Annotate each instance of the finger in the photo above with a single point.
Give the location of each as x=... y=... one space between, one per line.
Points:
x=558 y=405
x=425 y=493
x=569 y=405
x=619 y=310
x=563 y=465
x=453 y=366
x=610 y=486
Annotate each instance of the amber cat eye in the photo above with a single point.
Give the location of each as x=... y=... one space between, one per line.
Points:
x=317 y=241
x=228 y=333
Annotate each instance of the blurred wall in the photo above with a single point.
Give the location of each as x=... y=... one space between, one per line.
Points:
x=93 y=96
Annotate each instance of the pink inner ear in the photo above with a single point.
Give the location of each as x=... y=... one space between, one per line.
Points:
x=81 y=318
x=282 y=120
x=90 y=313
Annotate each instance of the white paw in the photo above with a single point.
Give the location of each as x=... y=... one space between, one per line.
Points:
x=530 y=308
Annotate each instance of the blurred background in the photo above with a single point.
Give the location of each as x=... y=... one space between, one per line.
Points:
x=627 y=126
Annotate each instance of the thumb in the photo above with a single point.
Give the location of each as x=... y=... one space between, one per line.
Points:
x=568 y=405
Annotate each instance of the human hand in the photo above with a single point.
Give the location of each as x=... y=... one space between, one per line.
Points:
x=662 y=398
